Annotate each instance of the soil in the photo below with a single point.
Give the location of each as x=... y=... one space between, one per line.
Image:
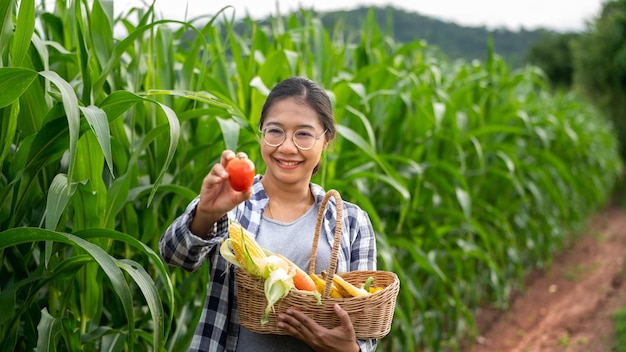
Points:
x=569 y=305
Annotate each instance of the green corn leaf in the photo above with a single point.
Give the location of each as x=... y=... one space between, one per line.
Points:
x=121 y=46
x=366 y=123
x=135 y=243
x=230 y=132
x=203 y=97
x=13 y=83
x=8 y=128
x=101 y=32
x=465 y=202
x=119 y=102
x=70 y=104
x=150 y=293
x=117 y=196
x=16 y=236
x=418 y=256
x=174 y=129
x=6 y=26
x=99 y=124
x=113 y=340
x=123 y=101
x=58 y=197
x=24 y=29
x=138 y=192
x=8 y=302
x=49 y=328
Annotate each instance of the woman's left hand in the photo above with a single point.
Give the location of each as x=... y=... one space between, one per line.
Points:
x=299 y=325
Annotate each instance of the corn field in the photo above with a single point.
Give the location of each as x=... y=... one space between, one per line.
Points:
x=471 y=172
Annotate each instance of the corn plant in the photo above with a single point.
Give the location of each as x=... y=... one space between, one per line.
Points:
x=471 y=172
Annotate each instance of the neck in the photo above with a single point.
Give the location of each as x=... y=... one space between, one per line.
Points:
x=288 y=206
x=294 y=195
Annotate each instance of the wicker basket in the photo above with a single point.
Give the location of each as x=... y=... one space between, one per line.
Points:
x=371 y=315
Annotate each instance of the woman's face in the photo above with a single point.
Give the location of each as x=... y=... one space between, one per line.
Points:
x=287 y=164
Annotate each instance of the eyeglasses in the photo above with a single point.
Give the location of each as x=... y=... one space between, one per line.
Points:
x=303 y=139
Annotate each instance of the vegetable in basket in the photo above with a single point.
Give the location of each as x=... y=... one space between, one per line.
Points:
x=343 y=289
x=280 y=275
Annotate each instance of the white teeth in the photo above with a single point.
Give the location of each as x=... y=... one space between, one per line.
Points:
x=292 y=163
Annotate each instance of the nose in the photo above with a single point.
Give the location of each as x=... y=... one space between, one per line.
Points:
x=288 y=144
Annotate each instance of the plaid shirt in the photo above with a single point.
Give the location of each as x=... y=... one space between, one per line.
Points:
x=218 y=328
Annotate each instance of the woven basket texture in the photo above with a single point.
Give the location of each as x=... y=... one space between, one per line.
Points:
x=371 y=315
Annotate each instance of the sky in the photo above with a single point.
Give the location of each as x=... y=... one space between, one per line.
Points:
x=562 y=15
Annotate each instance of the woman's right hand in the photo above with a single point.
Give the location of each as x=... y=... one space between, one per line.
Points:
x=217 y=197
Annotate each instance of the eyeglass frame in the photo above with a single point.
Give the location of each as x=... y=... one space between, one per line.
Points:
x=293 y=137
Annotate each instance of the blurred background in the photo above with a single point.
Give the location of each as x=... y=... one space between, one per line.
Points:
x=479 y=136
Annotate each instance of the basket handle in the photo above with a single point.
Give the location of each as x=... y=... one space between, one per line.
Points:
x=337 y=241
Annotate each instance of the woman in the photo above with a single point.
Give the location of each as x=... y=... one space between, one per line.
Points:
x=280 y=209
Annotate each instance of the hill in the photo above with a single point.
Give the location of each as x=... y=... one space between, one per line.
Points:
x=453 y=40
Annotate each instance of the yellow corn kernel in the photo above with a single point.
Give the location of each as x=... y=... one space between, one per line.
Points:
x=248 y=252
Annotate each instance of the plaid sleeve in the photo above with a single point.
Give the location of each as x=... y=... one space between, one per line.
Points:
x=180 y=247
x=362 y=240
x=218 y=328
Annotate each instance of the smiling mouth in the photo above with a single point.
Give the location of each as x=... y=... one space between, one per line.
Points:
x=288 y=163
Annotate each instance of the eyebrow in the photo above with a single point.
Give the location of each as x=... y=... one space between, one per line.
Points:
x=269 y=123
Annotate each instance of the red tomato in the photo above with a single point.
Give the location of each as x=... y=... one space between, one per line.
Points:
x=241 y=173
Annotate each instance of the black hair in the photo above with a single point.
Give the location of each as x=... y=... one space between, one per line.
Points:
x=309 y=93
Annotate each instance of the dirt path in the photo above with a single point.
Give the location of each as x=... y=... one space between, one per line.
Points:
x=568 y=306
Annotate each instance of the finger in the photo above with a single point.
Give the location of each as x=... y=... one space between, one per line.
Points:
x=219 y=172
x=298 y=315
x=217 y=175
x=344 y=318
x=227 y=155
x=289 y=323
x=298 y=320
x=242 y=155
x=243 y=196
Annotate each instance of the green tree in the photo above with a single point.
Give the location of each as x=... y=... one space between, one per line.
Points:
x=452 y=40
x=553 y=54
x=600 y=65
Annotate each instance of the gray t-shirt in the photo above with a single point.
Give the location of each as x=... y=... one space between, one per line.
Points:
x=293 y=240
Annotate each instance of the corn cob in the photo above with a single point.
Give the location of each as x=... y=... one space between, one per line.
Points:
x=320 y=285
x=347 y=289
x=373 y=289
x=250 y=255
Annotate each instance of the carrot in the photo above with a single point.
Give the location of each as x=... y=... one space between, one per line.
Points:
x=301 y=280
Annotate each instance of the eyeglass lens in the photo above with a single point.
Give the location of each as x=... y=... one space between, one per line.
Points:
x=303 y=139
